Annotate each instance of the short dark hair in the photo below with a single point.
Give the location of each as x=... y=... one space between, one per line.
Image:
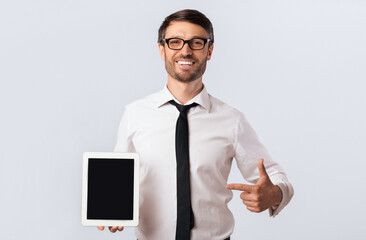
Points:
x=187 y=15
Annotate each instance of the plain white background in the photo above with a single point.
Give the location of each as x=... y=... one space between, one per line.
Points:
x=297 y=69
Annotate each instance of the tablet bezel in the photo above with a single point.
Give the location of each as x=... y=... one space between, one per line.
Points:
x=110 y=155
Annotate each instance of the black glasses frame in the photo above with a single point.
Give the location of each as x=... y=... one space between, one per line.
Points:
x=205 y=40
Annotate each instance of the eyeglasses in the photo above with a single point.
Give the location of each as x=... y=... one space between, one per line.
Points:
x=194 y=43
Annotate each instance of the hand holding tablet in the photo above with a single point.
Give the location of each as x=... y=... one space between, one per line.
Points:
x=112 y=229
x=102 y=203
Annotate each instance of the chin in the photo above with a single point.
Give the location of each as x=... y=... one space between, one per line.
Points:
x=186 y=79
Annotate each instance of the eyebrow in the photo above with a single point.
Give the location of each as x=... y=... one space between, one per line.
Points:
x=190 y=38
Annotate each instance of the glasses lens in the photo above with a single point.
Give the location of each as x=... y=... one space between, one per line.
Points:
x=175 y=43
x=197 y=43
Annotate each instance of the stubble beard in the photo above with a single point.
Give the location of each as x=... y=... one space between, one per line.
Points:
x=185 y=76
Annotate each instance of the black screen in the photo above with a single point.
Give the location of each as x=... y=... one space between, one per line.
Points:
x=110 y=189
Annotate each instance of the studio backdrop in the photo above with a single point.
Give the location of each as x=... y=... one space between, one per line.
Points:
x=296 y=69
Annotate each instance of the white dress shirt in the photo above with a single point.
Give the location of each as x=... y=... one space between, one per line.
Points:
x=217 y=134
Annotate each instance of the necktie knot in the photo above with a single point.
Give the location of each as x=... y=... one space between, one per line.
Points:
x=182 y=108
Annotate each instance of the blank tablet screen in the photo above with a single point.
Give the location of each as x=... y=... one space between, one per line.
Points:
x=110 y=189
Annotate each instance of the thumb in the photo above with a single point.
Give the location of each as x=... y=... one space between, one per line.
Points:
x=263 y=176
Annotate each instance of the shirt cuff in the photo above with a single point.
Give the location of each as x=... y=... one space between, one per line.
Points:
x=287 y=193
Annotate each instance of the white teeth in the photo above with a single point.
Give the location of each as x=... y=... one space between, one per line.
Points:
x=185 y=63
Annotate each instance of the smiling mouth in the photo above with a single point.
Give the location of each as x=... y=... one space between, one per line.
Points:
x=185 y=63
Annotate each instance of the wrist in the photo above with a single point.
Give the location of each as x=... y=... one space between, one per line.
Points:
x=277 y=196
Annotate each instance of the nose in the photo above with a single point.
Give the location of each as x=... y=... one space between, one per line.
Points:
x=186 y=50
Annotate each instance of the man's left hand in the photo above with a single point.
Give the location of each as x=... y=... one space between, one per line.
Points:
x=260 y=196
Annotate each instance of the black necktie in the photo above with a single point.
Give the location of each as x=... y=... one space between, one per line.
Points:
x=185 y=219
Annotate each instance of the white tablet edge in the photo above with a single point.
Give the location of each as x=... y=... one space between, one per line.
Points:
x=87 y=222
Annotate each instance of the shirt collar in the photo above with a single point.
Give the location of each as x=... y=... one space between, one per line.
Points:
x=202 y=98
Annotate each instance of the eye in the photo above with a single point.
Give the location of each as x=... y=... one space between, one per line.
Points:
x=175 y=41
x=197 y=42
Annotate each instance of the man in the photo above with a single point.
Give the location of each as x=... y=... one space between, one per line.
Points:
x=183 y=186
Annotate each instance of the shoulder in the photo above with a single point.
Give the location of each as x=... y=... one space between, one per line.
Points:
x=149 y=102
x=218 y=106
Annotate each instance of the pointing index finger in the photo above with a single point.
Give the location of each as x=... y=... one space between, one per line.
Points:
x=240 y=187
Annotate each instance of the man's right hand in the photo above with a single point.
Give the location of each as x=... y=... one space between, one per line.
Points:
x=112 y=229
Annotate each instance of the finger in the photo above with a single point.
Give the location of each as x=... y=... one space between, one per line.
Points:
x=254 y=209
x=113 y=229
x=249 y=203
x=240 y=187
x=101 y=228
x=247 y=196
x=120 y=228
x=262 y=170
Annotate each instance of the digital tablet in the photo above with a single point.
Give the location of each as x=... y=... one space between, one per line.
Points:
x=110 y=189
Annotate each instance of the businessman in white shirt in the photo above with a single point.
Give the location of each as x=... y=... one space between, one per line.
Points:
x=217 y=134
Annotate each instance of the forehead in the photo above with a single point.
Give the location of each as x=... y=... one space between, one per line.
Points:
x=185 y=30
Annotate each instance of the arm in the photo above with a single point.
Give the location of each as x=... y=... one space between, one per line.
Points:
x=270 y=181
x=124 y=144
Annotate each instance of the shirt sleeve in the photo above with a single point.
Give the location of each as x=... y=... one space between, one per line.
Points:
x=124 y=136
x=248 y=151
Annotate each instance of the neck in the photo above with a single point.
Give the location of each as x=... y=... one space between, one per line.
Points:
x=184 y=92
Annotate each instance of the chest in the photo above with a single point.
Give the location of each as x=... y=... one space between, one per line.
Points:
x=210 y=142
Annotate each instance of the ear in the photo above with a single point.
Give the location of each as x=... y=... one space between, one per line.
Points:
x=162 y=51
x=209 y=54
